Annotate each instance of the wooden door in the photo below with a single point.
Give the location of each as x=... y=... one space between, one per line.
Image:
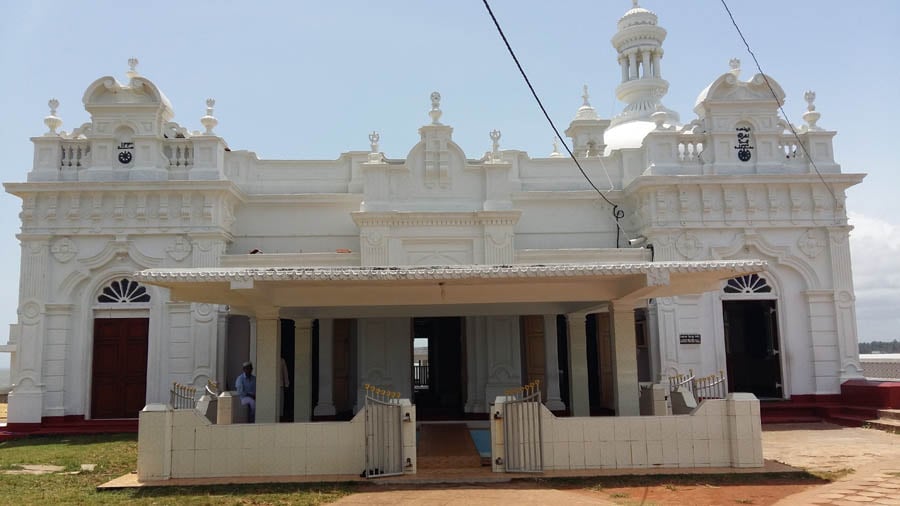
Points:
x=119 y=377
x=534 y=352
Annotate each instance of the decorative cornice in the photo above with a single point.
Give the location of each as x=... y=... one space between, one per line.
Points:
x=435 y=219
x=655 y=270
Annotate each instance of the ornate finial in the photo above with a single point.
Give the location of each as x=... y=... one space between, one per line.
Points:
x=634 y=4
x=132 y=68
x=811 y=116
x=52 y=121
x=810 y=97
x=555 y=153
x=735 y=65
x=585 y=97
x=374 y=155
x=435 y=112
x=495 y=145
x=209 y=121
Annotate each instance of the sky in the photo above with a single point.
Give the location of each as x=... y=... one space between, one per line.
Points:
x=310 y=80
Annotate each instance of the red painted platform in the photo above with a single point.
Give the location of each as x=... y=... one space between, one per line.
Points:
x=68 y=425
x=857 y=404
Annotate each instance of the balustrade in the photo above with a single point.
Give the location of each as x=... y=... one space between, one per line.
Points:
x=74 y=155
x=180 y=153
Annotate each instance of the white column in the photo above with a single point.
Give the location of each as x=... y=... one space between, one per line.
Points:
x=252 y=323
x=268 y=364
x=627 y=391
x=551 y=368
x=325 y=406
x=222 y=340
x=655 y=63
x=632 y=65
x=645 y=65
x=579 y=397
x=623 y=62
x=303 y=369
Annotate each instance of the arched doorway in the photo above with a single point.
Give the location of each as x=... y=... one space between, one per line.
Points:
x=119 y=355
x=752 y=340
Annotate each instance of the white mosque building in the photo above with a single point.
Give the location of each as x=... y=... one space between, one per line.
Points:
x=154 y=254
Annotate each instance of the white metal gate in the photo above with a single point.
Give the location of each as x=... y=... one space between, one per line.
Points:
x=384 y=443
x=523 y=448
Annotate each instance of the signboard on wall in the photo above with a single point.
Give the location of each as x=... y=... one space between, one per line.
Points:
x=689 y=338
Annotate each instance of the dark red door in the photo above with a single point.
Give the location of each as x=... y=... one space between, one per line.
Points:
x=119 y=379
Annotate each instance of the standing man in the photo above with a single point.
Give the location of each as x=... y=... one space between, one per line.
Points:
x=246 y=388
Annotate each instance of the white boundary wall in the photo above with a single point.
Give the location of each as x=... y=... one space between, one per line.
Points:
x=719 y=433
x=182 y=444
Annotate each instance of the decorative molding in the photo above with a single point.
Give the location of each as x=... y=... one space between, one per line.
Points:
x=688 y=245
x=811 y=243
x=656 y=270
x=435 y=219
x=180 y=249
x=781 y=254
x=63 y=250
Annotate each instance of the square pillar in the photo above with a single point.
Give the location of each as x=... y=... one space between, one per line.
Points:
x=579 y=399
x=303 y=369
x=551 y=367
x=627 y=390
x=325 y=405
x=268 y=365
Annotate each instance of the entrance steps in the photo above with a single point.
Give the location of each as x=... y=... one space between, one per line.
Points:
x=67 y=426
x=446 y=446
x=858 y=404
x=888 y=420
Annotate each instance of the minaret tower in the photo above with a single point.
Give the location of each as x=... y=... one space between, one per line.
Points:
x=639 y=44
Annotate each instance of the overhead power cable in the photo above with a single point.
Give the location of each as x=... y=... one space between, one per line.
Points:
x=780 y=106
x=616 y=212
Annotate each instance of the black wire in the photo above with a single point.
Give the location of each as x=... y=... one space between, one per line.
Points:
x=780 y=106
x=616 y=212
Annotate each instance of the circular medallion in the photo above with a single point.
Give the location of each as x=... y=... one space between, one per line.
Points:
x=124 y=157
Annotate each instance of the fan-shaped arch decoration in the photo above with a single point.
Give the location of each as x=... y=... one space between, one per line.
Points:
x=751 y=283
x=123 y=291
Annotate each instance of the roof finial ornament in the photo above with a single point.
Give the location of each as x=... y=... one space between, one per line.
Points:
x=811 y=116
x=52 y=121
x=586 y=97
x=209 y=121
x=735 y=65
x=495 y=145
x=555 y=153
x=132 y=68
x=634 y=4
x=435 y=111
x=374 y=154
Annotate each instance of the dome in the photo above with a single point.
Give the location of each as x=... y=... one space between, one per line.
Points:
x=628 y=135
x=637 y=15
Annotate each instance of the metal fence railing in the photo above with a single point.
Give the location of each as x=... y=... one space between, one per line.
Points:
x=523 y=447
x=182 y=396
x=384 y=441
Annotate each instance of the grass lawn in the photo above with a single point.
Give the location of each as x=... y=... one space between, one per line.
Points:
x=114 y=456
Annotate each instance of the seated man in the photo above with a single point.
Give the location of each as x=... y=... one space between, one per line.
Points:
x=246 y=388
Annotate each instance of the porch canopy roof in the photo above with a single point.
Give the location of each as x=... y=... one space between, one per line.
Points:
x=442 y=290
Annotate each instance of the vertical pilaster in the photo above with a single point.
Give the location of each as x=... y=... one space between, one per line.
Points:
x=551 y=369
x=325 y=405
x=844 y=303
x=646 y=72
x=268 y=364
x=627 y=391
x=579 y=399
x=303 y=369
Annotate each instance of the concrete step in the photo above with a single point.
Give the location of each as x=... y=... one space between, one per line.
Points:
x=886 y=424
x=893 y=414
